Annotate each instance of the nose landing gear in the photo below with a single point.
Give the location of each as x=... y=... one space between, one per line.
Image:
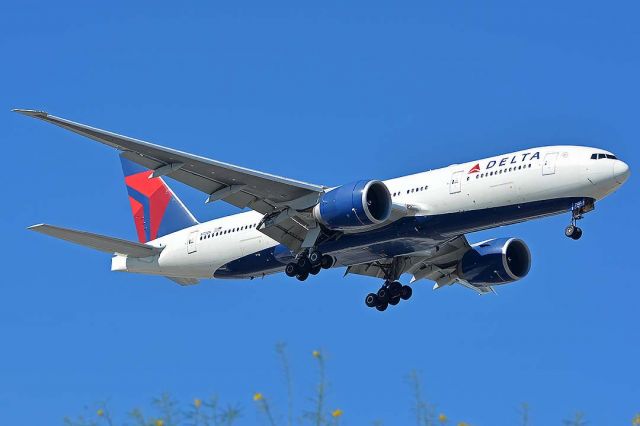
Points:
x=390 y=293
x=573 y=232
x=578 y=210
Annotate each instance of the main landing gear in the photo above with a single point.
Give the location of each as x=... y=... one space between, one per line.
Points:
x=308 y=263
x=390 y=293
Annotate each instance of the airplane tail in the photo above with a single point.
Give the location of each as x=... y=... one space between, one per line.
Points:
x=156 y=210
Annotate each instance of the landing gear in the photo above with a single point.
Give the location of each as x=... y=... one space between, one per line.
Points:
x=308 y=264
x=578 y=210
x=573 y=232
x=390 y=293
x=291 y=270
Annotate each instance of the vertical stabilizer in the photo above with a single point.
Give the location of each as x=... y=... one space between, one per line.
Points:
x=156 y=210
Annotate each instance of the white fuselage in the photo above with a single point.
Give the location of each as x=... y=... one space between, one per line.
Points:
x=527 y=176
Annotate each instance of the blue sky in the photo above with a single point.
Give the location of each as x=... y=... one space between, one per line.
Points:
x=325 y=93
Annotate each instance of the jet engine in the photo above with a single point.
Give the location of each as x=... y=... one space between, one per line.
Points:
x=358 y=204
x=498 y=261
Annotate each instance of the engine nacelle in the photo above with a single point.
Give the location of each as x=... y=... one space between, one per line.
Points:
x=358 y=204
x=498 y=261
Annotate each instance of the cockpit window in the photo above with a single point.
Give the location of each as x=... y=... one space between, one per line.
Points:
x=600 y=156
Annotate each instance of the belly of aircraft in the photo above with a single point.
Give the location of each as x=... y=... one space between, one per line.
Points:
x=405 y=236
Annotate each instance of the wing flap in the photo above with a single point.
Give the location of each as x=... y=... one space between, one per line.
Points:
x=97 y=242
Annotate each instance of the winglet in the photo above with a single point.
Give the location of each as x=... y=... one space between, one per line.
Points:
x=31 y=112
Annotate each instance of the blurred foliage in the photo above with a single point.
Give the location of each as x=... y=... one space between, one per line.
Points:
x=167 y=411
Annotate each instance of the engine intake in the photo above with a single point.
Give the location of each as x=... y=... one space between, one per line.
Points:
x=498 y=261
x=358 y=204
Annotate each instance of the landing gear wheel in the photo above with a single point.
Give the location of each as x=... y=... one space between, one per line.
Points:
x=326 y=262
x=570 y=230
x=315 y=257
x=382 y=307
x=314 y=270
x=304 y=265
x=406 y=292
x=302 y=276
x=291 y=270
x=383 y=295
x=371 y=300
x=577 y=234
x=395 y=289
x=394 y=300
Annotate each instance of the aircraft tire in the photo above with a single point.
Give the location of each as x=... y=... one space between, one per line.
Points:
x=371 y=300
x=578 y=234
x=291 y=270
x=406 y=292
x=383 y=295
x=382 y=306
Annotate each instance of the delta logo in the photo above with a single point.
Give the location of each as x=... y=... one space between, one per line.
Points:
x=505 y=161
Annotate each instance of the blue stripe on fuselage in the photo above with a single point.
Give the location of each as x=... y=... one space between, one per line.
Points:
x=403 y=236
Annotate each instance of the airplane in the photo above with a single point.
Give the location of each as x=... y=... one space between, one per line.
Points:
x=413 y=224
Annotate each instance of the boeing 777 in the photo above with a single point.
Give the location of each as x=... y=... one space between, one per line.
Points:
x=413 y=225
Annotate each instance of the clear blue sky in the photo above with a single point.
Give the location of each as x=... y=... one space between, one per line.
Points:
x=325 y=93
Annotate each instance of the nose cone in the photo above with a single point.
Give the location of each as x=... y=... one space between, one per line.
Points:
x=621 y=171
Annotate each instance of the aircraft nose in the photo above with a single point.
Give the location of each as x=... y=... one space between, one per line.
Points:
x=621 y=171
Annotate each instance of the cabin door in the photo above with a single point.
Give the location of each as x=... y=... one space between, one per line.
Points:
x=191 y=242
x=455 y=184
x=549 y=166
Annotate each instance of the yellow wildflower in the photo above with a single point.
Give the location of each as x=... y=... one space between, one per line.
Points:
x=463 y=424
x=316 y=354
x=636 y=420
x=442 y=418
x=258 y=396
x=159 y=422
x=100 y=412
x=197 y=403
x=336 y=413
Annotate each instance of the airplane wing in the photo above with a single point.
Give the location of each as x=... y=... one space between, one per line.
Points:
x=98 y=242
x=438 y=264
x=241 y=187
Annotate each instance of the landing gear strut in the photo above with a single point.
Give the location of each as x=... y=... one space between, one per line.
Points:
x=308 y=263
x=577 y=212
x=390 y=293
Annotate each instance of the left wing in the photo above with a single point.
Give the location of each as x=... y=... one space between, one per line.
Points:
x=438 y=264
x=268 y=194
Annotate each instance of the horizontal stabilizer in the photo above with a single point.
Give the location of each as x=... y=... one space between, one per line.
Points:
x=98 y=242
x=184 y=281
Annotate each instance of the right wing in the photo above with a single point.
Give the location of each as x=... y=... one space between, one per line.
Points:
x=280 y=199
x=98 y=242
x=239 y=186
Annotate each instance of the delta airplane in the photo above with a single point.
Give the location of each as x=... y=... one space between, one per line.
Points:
x=413 y=225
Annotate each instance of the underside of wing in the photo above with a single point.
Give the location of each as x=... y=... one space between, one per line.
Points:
x=236 y=185
x=438 y=264
x=280 y=199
